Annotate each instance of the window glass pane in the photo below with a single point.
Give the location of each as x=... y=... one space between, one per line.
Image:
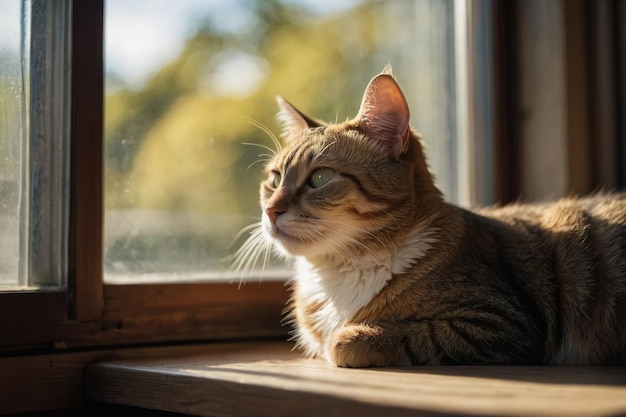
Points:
x=14 y=52
x=188 y=83
x=34 y=132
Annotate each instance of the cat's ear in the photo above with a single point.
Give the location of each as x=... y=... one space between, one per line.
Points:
x=292 y=119
x=384 y=113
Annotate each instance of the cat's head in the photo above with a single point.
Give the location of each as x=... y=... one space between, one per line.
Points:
x=344 y=190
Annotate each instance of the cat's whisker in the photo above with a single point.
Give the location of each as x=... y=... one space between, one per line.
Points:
x=266 y=257
x=251 y=257
x=263 y=160
x=254 y=227
x=269 y=133
x=260 y=145
x=247 y=255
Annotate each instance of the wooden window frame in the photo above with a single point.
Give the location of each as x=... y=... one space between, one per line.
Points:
x=91 y=313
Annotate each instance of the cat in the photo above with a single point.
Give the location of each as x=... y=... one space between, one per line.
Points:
x=390 y=274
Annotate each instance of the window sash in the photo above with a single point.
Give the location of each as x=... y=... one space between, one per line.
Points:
x=86 y=161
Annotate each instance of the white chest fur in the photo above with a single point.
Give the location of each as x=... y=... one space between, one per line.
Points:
x=340 y=292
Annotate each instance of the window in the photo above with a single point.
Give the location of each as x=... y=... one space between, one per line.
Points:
x=181 y=105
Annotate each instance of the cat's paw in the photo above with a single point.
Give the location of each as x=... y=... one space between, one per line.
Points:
x=358 y=346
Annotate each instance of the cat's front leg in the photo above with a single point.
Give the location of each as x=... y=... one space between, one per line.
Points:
x=460 y=340
x=362 y=345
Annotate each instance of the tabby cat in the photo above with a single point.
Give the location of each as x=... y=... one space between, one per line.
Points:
x=388 y=273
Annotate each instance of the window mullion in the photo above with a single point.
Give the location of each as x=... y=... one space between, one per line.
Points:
x=86 y=208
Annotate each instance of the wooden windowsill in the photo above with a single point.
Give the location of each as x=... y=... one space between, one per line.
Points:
x=267 y=379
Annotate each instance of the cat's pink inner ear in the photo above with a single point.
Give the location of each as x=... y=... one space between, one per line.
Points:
x=384 y=113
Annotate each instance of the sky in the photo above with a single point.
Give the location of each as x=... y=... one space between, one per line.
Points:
x=143 y=35
x=10 y=25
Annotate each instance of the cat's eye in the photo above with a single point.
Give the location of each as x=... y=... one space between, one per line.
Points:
x=320 y=177
x=275 y=179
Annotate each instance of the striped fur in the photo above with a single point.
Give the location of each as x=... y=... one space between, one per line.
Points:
x=388 y=273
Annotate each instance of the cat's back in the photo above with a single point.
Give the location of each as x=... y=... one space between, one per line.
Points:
x=608 y=207
x=581 y=243
x=596 y=222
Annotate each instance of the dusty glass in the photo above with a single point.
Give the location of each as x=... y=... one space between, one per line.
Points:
x=14 y=54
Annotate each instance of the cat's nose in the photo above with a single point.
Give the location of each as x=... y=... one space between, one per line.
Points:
x=273 y=212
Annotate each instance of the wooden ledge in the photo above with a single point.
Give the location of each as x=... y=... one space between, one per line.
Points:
x=267 y=379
